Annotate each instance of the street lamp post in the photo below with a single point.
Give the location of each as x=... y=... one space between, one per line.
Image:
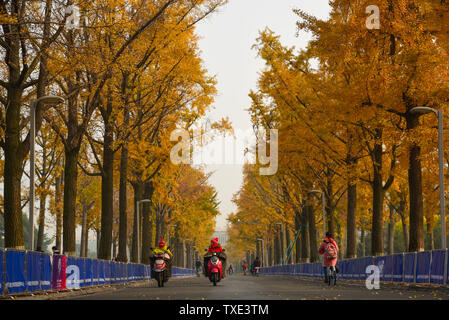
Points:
x=323 y=200
x=439 y=114
x=33 y=104
x=138 y=226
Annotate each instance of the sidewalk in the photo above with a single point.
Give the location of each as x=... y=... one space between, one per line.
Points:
x=55 y=295
x=383 y=284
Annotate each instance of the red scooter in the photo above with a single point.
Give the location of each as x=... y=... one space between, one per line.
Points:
x=160 y=268
x=214 y=269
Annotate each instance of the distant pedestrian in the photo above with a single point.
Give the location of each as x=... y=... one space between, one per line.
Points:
x=230 y=270
x=55 y=250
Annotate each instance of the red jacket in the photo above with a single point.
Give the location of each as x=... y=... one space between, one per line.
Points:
x=328 y=262
x=215 y=248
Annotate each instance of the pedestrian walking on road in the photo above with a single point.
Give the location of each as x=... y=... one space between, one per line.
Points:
x=230 y=270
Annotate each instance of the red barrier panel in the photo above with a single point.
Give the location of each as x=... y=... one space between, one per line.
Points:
x=59 y=276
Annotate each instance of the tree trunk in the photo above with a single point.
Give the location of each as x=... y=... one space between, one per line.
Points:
x=377 y=247
x=15 y=151
x=174 y=245
x=277 y=250
x=329 y=208
x=70 y=189
x=351 y=234
x=313 y=236
x=405 y=233
x=362 y=242
x=83 y=231
x=282 y=242
x=107 y=186
x=269 y=254
x=429 y=233
x=181 y=253
x=40 y=92
x=339 y=240
x=416 y=240
x=138 y=191
x=305 y=245
x=147 y=225
x=40 y=233
x=159 y=226
x=123 y=198
x=163 y=227
x=298 y=242
x=86 y=241
x=13 y=173
x=13 y=158
x=58 y=209
x=391 y=224
x=189 y=264
x=114 y=248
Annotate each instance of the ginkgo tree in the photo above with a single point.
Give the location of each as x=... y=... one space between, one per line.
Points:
x=130 y=72
x=343 y=110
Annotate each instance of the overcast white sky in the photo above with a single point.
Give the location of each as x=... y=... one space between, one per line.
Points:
x=227 y=38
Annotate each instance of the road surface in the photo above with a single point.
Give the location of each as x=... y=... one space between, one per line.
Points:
x=239 y=287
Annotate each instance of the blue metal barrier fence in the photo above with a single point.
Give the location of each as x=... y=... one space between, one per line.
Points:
x=23 y=271
x=414 y=267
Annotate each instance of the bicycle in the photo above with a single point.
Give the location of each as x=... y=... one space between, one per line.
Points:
x=331 y=276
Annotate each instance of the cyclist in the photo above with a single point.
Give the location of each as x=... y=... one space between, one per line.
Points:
x=329 y=250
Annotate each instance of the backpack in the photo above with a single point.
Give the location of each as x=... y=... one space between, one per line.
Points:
x=330 y=250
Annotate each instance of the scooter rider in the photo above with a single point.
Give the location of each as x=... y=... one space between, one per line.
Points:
x=162 y=248
x=256 y=263
x=215 y=247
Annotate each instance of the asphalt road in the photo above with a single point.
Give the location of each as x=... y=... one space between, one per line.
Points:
x=239 y=287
